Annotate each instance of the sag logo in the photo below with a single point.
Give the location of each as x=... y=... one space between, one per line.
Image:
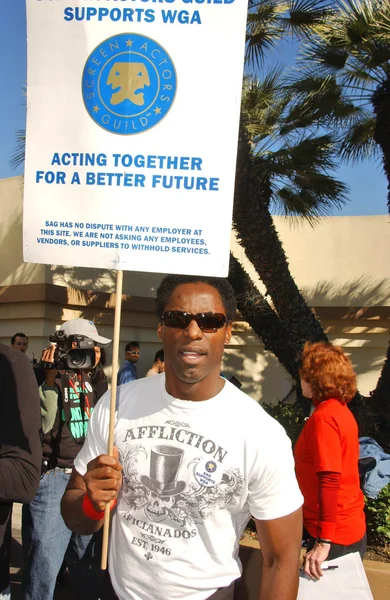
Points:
x=211 y=466
x=129 y=84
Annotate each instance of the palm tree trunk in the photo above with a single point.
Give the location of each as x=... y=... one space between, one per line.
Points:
x=380 y=397
x=381 y=103
x=262 y=318
x=257 y=234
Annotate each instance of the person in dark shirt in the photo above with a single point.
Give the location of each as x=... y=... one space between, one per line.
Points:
x=67 y=398
x=19 y=341
x=20 y=446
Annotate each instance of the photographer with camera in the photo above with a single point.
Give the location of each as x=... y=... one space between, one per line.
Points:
x=74 y=382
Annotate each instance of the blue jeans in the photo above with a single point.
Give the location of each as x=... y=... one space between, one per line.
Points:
x=47 y=541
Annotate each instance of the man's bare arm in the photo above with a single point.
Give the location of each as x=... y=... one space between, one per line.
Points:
x=101 y=482
x=280 y=544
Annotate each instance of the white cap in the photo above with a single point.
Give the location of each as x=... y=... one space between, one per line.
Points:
x=84 y=327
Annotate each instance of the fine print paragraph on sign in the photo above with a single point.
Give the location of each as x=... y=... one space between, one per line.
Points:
x=123 y=237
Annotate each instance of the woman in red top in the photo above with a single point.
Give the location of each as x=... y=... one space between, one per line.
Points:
x=326 y=457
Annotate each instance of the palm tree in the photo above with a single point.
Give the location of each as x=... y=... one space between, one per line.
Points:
x=278 y=163
x=262 y=318
x=350 y=52
x=349 y=56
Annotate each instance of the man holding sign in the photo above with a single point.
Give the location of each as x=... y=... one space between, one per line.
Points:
x=194 y=458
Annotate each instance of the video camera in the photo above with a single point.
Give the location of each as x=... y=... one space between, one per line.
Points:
x=72 y=352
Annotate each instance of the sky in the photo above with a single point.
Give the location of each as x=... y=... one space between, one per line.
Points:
x=366 y=181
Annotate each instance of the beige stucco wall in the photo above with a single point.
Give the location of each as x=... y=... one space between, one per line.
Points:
x=341 y=262
x=12 y=268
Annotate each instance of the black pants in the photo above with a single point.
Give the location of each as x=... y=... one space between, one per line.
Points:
x=226 y=593
x=337 y=550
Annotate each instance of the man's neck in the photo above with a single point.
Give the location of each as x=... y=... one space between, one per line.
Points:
x=196 y=392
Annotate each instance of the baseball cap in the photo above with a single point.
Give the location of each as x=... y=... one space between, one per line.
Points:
x=84 y=327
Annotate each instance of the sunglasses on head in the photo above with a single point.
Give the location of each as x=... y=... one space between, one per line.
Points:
x=208 y=322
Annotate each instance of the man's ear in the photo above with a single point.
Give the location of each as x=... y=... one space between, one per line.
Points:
x=228 y=333
x=159 y=331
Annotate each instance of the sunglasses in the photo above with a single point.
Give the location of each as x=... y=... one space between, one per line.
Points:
x=133 y=351
x=208 y=322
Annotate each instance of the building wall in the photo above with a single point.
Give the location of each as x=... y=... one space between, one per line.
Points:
x=341 y=265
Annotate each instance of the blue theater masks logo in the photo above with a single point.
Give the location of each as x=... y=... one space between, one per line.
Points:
x=129 y=84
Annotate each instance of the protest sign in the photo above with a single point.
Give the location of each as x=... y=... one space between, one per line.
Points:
x=133 y=112
x=348 y=581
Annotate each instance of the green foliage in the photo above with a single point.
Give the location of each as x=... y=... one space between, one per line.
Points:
x=378 y=519
x=291 y=418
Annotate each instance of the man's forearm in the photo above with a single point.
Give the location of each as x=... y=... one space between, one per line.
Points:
x=73 y=514
x=279 y=580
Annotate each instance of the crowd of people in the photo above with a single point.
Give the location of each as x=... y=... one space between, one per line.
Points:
x=194 y=459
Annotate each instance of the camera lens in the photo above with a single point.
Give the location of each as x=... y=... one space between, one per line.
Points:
x=81 y=359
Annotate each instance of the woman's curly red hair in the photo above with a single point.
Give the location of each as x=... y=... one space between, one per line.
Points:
x=329 y=372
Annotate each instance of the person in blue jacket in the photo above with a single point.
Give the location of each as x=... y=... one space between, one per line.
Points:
x=128 y=371
x=377 y=476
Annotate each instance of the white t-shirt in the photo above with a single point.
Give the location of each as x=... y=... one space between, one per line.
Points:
x=193 y=473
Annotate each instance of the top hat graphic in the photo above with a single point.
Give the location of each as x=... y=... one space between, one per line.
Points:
x=164 y=466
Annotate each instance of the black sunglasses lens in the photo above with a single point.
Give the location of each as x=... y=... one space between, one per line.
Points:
x=211 y=322
x=208 y=322
x=178 y=320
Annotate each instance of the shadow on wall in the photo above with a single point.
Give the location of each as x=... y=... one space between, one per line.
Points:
x=361 y=292
x=12 y=269
x=362 y=323
x=135 y=283
x=260 y=373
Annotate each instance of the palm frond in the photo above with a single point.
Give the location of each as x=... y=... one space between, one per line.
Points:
x=357 y=143
x=263 y=104
x=382 y=25
x=308 y=154
x=304 y=15
x=318 y=100
x=330 y=59
x=17 y=158
x=269 y=20
x=263 y=31
x=356 y=77
x=298 y=198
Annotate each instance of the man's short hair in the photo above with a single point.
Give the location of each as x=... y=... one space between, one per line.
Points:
x=13 y=339
x=159 y=356
x=131 y=345
x=171 y=282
